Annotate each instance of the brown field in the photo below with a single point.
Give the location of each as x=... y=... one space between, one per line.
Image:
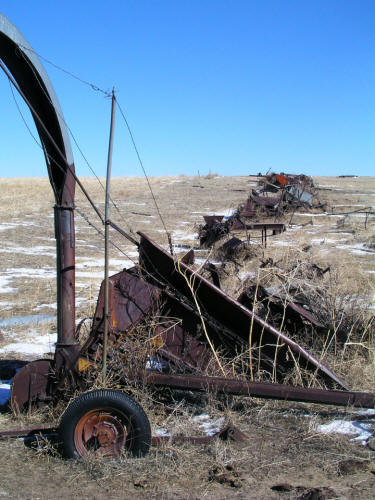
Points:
x=284 y=446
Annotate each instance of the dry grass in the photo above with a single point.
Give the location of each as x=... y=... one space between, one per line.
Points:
x=283 y=445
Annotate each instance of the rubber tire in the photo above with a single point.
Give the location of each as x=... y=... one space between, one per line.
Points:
x=105 y=398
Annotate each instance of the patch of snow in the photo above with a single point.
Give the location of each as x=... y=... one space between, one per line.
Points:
x=3 y=288
x=325 y=214
x=321 y=241
x=100 y=262
x=247 y=274
x=162 y=431
x=349 y=205
x=133 y=203
x=358 y=248
x=28 y=272
x=11 y=225
x=34 y=319
x=209 y=426
x=361 y=429
x=91 y=275
x=203 y=261
x=281 y=243
x=6 y=305
x=37 y=250
x=369 y=412
x=178 y=234
x=50 y=306
x=227 y=213
x=37 y=346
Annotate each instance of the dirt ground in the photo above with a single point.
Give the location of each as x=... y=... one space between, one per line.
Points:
x=284 y=457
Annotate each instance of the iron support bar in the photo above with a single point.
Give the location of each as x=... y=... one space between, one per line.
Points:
x=261 y=389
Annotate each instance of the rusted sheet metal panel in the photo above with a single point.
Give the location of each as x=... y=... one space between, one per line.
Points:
x=227 y=311
x=266 y=201
x=231 y=244
x=211 y=219
x=130 y=299
x=304 y=313
x=249 y=209
x=291 y=308
x=31 y=384
x=258 y=226
x=281 y=179
x=189 y=257
x=262 y=389
x=180 y=347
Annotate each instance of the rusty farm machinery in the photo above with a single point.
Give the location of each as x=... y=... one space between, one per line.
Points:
x=187 y=318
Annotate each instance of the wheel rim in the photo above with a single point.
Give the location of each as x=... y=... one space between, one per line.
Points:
x=104 y=431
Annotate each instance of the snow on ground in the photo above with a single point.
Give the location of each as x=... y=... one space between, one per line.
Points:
x=35 y=345
x=3 y=285
x=11 y=225
x=35 y=319
x=162 y=431
x=281 y=243
x=204 y=422
x=50 y=306
x=209 y=426
x=203 y=261
x=29 y=272
x=247 y=274
x=323 y=240
x=357 y=248
x=362 y=430
x=115 y=263
x=349 y=205
x=36 y=250
x=182 y=235
x=133 y=203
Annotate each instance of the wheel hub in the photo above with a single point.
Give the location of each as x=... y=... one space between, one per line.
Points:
x=100 y=432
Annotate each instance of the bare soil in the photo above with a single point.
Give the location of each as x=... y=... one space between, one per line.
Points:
x=285 y=457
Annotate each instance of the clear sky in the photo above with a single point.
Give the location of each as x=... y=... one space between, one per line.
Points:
x=229 y=87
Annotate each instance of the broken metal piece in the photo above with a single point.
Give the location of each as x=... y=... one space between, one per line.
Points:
x=32 y=385
x=281 y=306
x=211 y=219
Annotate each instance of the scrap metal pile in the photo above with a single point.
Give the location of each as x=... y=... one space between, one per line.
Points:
x=276 y=195
x=195 y=329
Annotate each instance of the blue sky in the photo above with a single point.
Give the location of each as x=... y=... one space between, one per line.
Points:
x=229 y=87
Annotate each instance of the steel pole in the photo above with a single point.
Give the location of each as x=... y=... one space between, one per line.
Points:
x=106 y=231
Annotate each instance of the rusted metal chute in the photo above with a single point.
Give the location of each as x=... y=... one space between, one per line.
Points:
x=35 y=86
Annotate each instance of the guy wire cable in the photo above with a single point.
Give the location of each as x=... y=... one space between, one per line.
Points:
x=94 y=87
x=108 y=94
x=79 y=211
